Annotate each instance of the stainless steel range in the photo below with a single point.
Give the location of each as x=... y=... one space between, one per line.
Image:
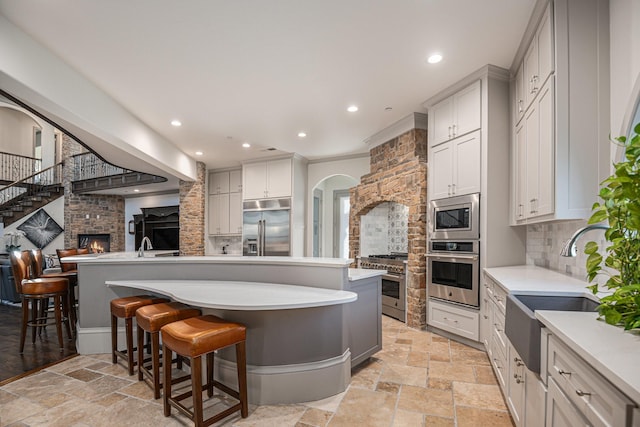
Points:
x=394 y=283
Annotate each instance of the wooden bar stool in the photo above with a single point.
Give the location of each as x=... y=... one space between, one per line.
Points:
x=150 y=319
x=125 y=308
x=37 y=293
x=194 y=338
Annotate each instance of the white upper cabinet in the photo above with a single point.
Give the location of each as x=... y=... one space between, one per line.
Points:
x=560 y=93
x=219 y=182
x=455 y=167
x=265 y=180
x=225 y=202
x=456 y=115
x=235 y=181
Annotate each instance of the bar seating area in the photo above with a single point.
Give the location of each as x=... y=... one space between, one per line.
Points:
x=191 y=336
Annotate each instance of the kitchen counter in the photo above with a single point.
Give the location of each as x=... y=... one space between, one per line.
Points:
x=609 y=349
x=364 y=273
x=228 y=295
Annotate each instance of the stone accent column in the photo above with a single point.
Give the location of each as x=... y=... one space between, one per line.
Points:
x=77 y=207
x=192 y=202
x=399 y=174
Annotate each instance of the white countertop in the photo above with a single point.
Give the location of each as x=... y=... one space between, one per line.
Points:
x=532 y=280
x=150 y=257
x=364 y=273
x=241 y=295
x=609 y=349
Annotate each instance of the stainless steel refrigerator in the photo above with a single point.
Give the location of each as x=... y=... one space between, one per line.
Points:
x=266 y=226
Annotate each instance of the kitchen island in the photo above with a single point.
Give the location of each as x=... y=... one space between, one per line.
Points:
x=334 y=324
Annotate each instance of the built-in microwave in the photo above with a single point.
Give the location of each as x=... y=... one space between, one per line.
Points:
x=455 y=218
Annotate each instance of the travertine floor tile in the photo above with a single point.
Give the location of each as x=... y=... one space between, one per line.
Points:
x=426 y=400
x=366 y=408
x=451 y=371
x=18 y=409
x=392 y=388
x=330 y=404
x=316 y=417
x=273 y=416
x=408 y=419
x=470 y=356
x=402 y=374
x=485 y=375
x=419 y=359
x=478 y=395
x=431 y=421
x=473 y=417
x=84 y=375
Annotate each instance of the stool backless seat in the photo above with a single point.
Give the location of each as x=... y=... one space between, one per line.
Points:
x=150 y=319
x=202 y=336
x=125 y=308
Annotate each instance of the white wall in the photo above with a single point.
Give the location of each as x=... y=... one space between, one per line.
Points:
x=16 y=133
x=133 y=206
x=336 y=182
x=317 y=171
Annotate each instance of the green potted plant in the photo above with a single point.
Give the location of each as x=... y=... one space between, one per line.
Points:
x=620 y=207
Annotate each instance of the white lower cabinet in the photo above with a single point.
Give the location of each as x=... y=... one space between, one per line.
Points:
x=535 y=400
x=455 y=319
x=560 y=411
x=516 y=383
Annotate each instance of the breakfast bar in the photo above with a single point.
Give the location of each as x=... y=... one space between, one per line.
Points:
x=309 y=320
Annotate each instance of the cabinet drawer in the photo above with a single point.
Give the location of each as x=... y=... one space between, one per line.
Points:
x=499 y=362
x=497 y=330
x=457 y=320
x=500 y=297
x=600 y=402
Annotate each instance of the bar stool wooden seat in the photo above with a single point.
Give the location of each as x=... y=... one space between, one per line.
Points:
x=150 y=319
x=196 y=337
x=125 y=308
x=36 y=292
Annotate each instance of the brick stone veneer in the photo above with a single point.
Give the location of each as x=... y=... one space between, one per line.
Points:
x=110 y=208
x=192 y=200
x=399 y=174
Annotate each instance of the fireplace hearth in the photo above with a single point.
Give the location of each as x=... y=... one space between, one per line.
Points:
x=97 y=243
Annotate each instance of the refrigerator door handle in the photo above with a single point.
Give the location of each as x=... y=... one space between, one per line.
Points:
x=263 y=239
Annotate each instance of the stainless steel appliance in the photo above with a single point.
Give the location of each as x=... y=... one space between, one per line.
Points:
x=456 y=218
x=266 y=226
x=394 y=283
x=454 y=271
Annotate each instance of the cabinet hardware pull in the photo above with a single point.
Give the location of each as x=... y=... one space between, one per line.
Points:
x=519 y=381
x=561 y=372
x=582 y=393
x=485 y=316
x=454 y=130
x=449 y=131
x=453 y=189
x=519 y=105
x=515 y=359
x=449 y=189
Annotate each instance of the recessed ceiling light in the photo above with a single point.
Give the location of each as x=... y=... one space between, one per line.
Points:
x=246 y=145
x=302 y=134
x=199 y=153
x=435 y=58
x=176 y=123
x=352 y=108
x=136 y=191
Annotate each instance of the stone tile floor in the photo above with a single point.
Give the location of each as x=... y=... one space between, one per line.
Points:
x=418 y=379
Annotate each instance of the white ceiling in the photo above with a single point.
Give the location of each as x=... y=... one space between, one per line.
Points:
x=261 y=71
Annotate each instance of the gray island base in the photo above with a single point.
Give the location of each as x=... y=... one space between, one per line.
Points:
x=309 y=320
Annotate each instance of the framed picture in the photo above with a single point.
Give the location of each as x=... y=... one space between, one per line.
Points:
x=40 y=229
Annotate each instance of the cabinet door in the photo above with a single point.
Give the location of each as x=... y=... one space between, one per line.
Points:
x=519 y=101
x=441 y=118
x=520 y=172
x=441 y=171
x=466 y=164
x=535 y=400
x=235 y=181
x=235 y=213
x=219 y=183
x=279 y=178
x=532 y=157
x=467 y=110
x=254 y=177
x=544 y=203
x=530 y=72
x=515 y=391
x=544 y=39
x=560 y=411
x=219 y=214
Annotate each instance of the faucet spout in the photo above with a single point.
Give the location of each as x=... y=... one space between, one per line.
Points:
x=146 y=240
x=569 y=248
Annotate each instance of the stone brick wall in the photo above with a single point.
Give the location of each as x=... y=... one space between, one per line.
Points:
x=399 y=174
x=192 y=202
x=105 y=212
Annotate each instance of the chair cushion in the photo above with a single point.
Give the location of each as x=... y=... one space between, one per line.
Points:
x=152 y=317
x=201 y=335
x=45 y=286
x=126 y=307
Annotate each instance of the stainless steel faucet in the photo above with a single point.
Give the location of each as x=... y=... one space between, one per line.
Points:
x=146 y=240
x=569 y=248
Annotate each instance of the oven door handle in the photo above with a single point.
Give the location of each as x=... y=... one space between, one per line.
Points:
x=453 y=256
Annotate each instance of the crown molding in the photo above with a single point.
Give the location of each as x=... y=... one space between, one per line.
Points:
x=404 y=125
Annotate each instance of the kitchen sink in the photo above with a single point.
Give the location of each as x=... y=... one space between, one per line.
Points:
x=523 y=329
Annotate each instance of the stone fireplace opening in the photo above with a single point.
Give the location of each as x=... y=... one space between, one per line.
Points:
x=97 y=243
x=398 y=177
x=383 y=230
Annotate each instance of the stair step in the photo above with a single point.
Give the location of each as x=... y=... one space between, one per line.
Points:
x=35 y=198
x=44 y=194
x=17 y=208
x=7 y=213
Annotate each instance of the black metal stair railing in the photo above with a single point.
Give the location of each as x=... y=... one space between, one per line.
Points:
x=14 y=167
x=29 y=192
x=91 y=173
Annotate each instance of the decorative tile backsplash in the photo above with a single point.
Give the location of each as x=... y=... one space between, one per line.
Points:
x=384 y=229
x=545 y=241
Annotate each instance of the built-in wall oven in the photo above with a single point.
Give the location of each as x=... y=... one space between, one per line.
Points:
x=454 y=271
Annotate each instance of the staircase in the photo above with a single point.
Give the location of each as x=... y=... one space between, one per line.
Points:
x=29 y=194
